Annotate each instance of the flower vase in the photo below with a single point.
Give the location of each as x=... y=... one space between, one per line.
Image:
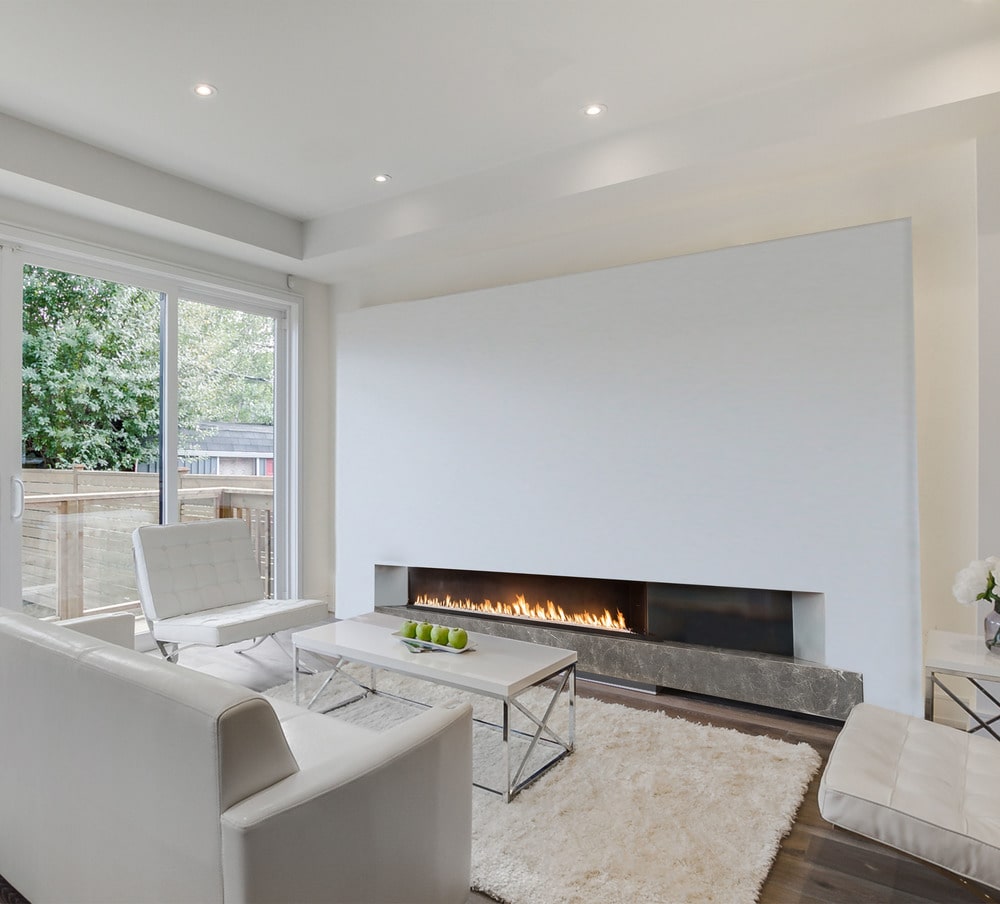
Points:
x=991 y=629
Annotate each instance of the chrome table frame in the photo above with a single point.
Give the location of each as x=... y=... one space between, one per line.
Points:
x=562 y=681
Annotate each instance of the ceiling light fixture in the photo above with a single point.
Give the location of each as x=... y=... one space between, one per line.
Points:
x=594 y=109
x=382 y=177
x=203 y=89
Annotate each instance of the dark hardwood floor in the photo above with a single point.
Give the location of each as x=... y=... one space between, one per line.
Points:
x=817 y=863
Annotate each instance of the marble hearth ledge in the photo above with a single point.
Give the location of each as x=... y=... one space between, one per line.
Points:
x=764 y=680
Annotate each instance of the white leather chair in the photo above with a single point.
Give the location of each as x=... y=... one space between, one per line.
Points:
x=199 y=583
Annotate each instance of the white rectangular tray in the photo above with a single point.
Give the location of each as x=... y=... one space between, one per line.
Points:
x=427 y=645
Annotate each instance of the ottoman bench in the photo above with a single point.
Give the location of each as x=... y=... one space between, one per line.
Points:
x=924 y=788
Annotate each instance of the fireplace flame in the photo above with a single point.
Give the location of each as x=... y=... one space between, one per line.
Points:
x=521 y=608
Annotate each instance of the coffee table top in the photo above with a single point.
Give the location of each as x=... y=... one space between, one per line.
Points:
x=499 y=666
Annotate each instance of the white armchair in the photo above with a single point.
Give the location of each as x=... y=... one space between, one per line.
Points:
x=199 y=583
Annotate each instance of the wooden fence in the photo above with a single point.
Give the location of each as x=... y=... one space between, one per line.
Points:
x=77 y=531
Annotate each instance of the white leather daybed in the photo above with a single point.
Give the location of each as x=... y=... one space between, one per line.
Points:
x=921 y=787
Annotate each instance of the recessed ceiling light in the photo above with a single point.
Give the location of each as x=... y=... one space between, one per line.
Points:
x=382 y=177
x=204 y=90
x=594 y=109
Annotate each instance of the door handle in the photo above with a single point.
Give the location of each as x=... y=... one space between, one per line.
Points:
x=17 y=498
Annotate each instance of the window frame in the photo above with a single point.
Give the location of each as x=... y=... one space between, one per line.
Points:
x=173 y=283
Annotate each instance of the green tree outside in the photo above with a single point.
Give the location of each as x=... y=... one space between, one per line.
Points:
x=91 y=370
x=225 y=365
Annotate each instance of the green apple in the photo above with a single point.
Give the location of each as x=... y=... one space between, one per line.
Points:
x=424 y=631
x=439 y=634
x=409 y=629
x=458 y=638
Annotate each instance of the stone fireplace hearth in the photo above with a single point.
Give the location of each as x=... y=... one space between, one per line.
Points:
x=651 y=647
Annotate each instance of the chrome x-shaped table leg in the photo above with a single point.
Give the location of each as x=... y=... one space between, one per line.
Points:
x=543 y=731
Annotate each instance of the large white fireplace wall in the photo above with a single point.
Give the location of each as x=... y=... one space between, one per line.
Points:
x=742 y=417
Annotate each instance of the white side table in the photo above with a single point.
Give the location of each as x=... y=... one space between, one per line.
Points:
x=965 y=656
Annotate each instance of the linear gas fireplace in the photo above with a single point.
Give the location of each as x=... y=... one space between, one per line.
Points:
x=579 y=602
x=728 y=617
x=729 y=642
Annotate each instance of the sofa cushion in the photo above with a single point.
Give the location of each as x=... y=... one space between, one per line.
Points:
x=252 y=755
x=117 y=628
x=313 y=737
x=231 y=624
x=918 y=786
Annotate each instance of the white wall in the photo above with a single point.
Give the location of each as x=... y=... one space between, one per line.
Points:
x=936 y=189
x=741 y=417
x=988 y=172
x=317 y=399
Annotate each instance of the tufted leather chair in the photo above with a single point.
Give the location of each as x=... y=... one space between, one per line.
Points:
x=199 y=583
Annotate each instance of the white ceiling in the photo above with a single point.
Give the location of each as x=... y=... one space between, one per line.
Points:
x=473 y=106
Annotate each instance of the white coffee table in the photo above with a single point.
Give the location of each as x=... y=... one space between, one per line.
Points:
x=498 y=667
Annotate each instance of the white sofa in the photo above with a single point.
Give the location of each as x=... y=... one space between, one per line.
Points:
x=127 y=778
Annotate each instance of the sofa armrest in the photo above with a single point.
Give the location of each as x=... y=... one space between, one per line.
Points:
x=114 y=627
x=386 y=819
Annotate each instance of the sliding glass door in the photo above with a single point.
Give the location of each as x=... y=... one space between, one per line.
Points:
x=90 y=415
x=225 y=405
x=11 y=487
x=141 y=401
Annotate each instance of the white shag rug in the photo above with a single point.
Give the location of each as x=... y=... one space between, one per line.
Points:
x=648 y=808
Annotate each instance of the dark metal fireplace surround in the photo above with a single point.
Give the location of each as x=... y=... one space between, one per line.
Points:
x=733 y=643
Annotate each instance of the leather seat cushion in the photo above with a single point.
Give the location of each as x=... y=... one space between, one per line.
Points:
x=313 y=737
x=240 y=621
x=924 y=788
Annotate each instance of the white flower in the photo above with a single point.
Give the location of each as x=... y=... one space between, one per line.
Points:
x=972 y=580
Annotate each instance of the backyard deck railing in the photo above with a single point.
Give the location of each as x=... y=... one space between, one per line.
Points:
x=77 y=532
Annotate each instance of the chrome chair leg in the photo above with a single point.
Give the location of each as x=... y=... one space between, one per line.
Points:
x=171 y=655
x=304 y=669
